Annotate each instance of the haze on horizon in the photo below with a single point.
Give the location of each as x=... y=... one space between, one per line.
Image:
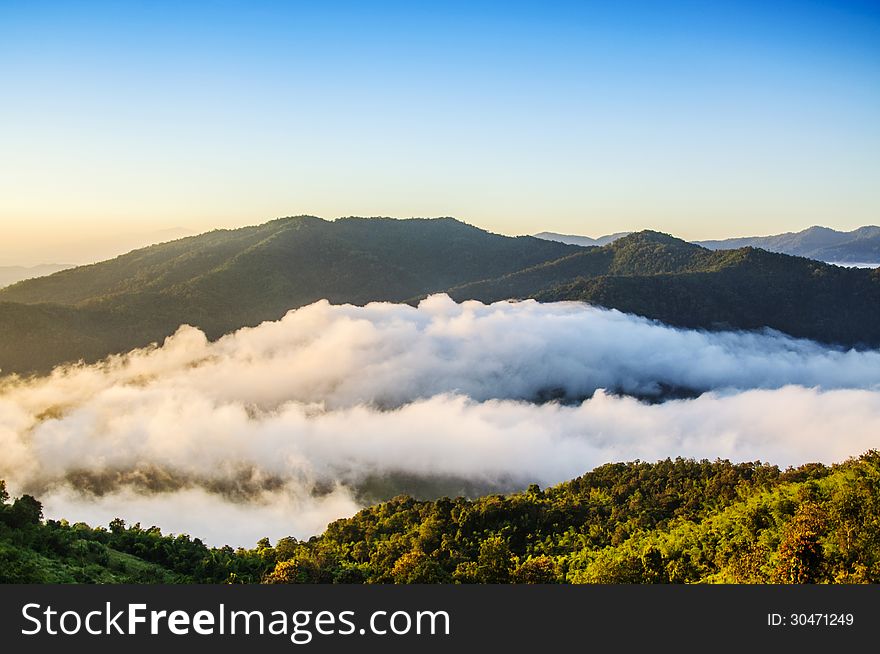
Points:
x=122 y=121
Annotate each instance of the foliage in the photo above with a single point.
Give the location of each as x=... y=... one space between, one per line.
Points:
x=674 y=521
x=678 y=521
x=33 y=551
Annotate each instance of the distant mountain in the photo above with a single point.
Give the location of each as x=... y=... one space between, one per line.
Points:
x=583 y=241
x=13 y=274
x=861 y=245
x=227 y=279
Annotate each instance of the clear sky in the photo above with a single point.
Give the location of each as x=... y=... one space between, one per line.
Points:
x=704 y=119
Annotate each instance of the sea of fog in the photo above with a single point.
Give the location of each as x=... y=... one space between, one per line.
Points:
x=279 y=429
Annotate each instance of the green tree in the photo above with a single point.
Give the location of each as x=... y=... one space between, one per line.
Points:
x=26 y=510
x=495 y=562
x=286 y=548
x=416 y=567
x=801 y=557
x=466 y=573
x=294 y=571
x=536 y=570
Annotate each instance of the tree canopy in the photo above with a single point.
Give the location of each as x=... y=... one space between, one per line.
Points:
x=674 y=521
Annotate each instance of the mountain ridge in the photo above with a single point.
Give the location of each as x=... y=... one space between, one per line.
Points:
x=861 y=245
x=857 y=246
x=223 y=280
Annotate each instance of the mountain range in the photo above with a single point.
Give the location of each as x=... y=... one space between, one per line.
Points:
x=859 y=246
x=583 y=241
x=227 y=279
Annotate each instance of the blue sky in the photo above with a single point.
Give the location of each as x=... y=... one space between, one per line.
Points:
x=704 y=119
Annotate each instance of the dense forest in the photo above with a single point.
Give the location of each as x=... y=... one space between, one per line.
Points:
x=227 y=279
x=674 y=521
x=682 y=284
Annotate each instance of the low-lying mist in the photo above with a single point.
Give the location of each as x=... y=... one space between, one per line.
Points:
x=277 y=430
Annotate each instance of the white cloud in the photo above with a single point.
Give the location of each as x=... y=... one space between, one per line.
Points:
x=267 y=431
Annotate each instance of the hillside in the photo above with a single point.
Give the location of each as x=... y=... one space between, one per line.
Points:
x=679 y=521
x=36 y=337
x=665 y=278
x=225 y=280
x=643 y=253
x=295 y=261
x=860 y=245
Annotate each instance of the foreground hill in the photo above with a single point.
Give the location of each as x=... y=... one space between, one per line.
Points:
x=860 y=245
x=679 y=521
x=225 y=280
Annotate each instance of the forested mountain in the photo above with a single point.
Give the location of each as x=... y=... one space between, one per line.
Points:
x=680 y=521
x=665 y=278
x=295 y=261
x=227 y=279
x=640 y=254
x=860 y=245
